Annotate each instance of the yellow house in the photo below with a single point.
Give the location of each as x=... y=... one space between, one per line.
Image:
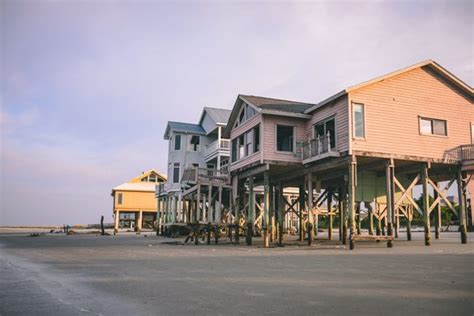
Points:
x=135 y=202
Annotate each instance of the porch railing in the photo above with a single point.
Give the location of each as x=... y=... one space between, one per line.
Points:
x=195 y=175
x=318 y=146
x=461 y=153
x=223 y=144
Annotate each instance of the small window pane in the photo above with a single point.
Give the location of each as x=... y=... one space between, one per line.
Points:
x=256 y=142
x=177 y=142
x=319 y=130
x=439 y=127
x=234 y=150
x=176 y=173
x=359 y=128
x=284 y=138
x=425 y=126
x=119 y=198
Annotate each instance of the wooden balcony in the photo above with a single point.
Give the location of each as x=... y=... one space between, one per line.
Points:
x=205 y=176
x=467 y=157
x=318 y=148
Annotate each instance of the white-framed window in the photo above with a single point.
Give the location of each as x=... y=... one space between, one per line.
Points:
x=358 y=120
x=285 y=138
x=430 y=126
x=177 y=142
x=176 y=172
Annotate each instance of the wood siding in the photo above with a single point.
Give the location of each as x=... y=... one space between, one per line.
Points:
x=268 y=144
x=392 y=110
x=135 y=201
x=340 y=110
x=239 y=130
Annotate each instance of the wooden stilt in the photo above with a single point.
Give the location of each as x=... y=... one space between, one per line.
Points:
x=389 y=174
x=250 y=213
x=462 y=207
x=266 y=209
x=216 y=234
x=426 y=204
x=351 y=202
x=437 y=213
x=397 y=221
x=198 y=203
x=371 y=219
x=409 y=218
x=300 y=213
x=310 y=210
x=329 y=206
x=208 y=233
x=358 y=218
x=281 y=215
x=341 y=211
x=272 y=214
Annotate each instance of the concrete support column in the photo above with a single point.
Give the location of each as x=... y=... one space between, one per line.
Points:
x=140 y=221
x=116 y=221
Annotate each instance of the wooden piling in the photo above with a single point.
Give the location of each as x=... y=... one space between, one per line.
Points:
x=437 y=213
x=390 y=192
x=426 y=204
x=462 y=206
x=330 y=216
x=250 y=213
x=351 y=200
x=300 y=213
x=281 y=214
x=310 y=210
x=266 y=209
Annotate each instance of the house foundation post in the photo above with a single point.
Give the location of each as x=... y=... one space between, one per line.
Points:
x=426 y=204
x=250 y=213
x=281 y=213
x=266 y=209
x=310 y=228
x=390 y=192
x=351 y=200
x=462 y=206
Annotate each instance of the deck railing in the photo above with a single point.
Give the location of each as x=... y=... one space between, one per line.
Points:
x=461 y=153
x=160 y=188
x=195 y=175
x=223 y=144
x=317 y=147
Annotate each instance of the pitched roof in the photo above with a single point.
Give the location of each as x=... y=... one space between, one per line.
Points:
x=181 y=127
x=427 y=63
x=144 y=174
x=137 y=186
x=277 y=104
x=220 y=116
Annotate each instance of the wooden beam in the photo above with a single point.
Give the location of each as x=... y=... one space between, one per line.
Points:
x=351 y=204
x=426 y=201
x=266 y=208
x=310 y=227
x=462 y=207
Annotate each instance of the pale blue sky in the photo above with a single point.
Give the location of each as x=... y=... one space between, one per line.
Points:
x=87 y=86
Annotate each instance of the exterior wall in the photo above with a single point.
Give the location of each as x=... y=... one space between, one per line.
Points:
x=340 y=111
x=392 y=109
x=268 y=145
x=135 y=201
x=236 y=132
x=184 y=157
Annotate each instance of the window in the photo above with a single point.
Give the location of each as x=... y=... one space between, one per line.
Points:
x=177 y=142
x=176 y=172
x=234 y=150
x=241 y=146
x=152 y=178
x=430 y=126
x=194 y=143
x=358 y=120
x=326 y=127
x=246 y=112
x=285 y=138
x=119 y=198
x=249 y=142
x=256 y=138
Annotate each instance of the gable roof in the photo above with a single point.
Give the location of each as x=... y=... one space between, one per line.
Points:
x=219 y=116
x=137 y=186
x=276 y=104
x=270 y=106
x=186 y=128
x=145 y=174
x=427 y=63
